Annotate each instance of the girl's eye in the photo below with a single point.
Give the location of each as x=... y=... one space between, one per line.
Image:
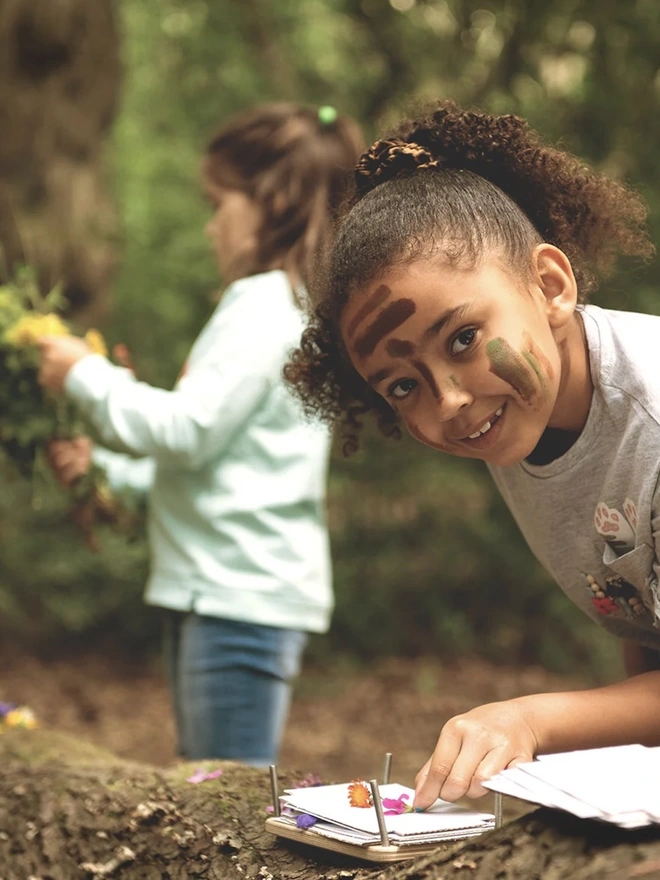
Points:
x=463 y=340
x=400 y=390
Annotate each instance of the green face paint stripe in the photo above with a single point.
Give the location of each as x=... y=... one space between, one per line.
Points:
x=506 y=363
x=534 y=364
x=453 y=380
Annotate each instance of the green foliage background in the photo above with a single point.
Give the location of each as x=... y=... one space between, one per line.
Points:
x=427 y=560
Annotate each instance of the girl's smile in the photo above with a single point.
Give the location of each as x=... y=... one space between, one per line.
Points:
x=469 y=359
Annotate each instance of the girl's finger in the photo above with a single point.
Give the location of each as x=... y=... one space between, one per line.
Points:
x=496 y=760
x=423 y=773
x=428 y=784
x=463 y=776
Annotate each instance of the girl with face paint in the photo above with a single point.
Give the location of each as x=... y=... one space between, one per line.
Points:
x=454 y=306
x=235 y=476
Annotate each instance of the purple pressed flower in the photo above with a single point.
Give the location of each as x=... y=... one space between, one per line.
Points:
x=201 y=775
x=306 y=821
x=6 y=708
x=309 y=781
x=396 y=806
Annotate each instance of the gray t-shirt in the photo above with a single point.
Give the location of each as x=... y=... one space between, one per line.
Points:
x=592 y=516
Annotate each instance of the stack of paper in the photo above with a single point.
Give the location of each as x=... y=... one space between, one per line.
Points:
x=340 y=821
x=619 y=784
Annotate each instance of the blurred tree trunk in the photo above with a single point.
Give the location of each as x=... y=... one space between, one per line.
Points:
x=59 y=88
x=69 y=810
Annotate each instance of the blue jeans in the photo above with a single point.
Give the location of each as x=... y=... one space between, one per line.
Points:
x=231 y=685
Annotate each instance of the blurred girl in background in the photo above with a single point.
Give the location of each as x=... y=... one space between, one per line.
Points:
x=235 y=474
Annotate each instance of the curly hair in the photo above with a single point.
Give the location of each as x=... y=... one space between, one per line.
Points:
x=457 y=183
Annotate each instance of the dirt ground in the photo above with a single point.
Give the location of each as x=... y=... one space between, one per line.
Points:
x=342 y=721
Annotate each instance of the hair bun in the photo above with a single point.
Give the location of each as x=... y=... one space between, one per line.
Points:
x=387 y=159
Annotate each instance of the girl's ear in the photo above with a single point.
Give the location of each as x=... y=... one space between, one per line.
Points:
x=554 y=276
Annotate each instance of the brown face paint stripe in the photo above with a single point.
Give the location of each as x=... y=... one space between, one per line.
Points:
x=376 y=299
x=428 y=375
x=389 y=319
x=400 y=348
x=506 y=363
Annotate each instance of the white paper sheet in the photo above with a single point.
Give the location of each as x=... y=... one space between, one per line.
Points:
x=620 y=784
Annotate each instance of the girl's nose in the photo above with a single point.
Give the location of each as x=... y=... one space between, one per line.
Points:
x=452 y=398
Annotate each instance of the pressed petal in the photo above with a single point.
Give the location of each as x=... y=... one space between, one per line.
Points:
x=305 y=821
x=396 y=806
x=311 y=780
x=202 y=775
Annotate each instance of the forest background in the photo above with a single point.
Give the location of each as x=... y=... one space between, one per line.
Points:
x=107 y=107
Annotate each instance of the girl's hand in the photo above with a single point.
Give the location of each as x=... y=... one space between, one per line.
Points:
x=69 y=459
x=472 y=748
x=58 y=355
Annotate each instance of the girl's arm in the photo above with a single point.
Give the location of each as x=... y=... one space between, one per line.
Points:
x=234 y=363
x=637 y=658
x=477 y=745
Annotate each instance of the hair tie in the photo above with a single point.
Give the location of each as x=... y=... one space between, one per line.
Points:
x=327 y=114
x=387 y=159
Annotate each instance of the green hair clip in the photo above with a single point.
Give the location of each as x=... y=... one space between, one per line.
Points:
x=327 y=114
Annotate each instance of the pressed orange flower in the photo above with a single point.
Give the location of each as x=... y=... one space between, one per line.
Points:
x=358 y=794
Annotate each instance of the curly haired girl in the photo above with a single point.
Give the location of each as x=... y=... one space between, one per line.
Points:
x=454 y=305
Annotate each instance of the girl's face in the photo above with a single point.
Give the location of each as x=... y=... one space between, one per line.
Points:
x=471 y=361
x=233 y=228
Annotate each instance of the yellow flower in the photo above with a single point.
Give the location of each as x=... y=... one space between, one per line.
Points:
x=28 y=329
x=96 y=342
x=22 y=716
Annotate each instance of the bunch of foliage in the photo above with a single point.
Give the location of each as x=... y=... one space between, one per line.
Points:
x=31 y=416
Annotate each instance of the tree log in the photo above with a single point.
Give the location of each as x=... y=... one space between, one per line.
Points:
x=69 y=810
x=60 y=80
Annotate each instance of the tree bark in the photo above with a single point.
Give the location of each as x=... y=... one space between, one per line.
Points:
x=69 y=810
x=59 y=89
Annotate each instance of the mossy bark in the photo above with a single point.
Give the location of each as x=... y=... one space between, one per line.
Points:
x=68 y=810
x=60 y=80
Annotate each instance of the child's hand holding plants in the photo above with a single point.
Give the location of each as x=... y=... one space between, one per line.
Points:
x=34 y=420
x=58 y=355
x=70 y=460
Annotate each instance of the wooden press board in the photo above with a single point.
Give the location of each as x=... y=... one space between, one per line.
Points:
x=372 y=853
